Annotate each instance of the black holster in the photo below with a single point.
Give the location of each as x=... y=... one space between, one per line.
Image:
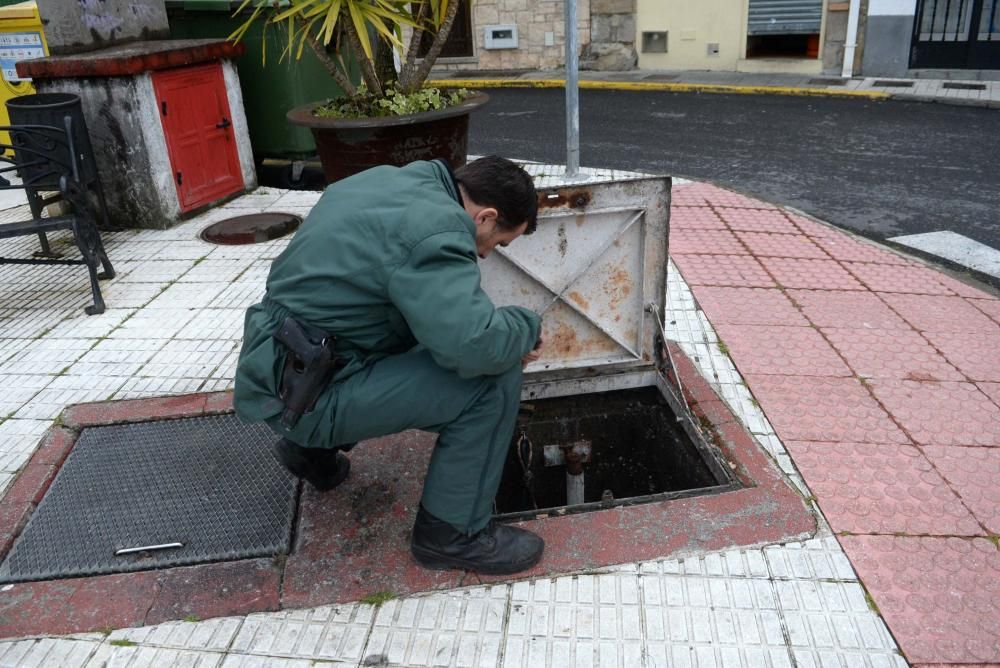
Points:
x=309 y=366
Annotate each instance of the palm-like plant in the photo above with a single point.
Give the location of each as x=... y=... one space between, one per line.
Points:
x=351 y=24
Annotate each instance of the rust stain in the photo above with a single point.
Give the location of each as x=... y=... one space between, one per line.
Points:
x=565 y=343
x=921 y=377
x=618 y=287
x=573 y=198
x=579 y=300
x=580 y=219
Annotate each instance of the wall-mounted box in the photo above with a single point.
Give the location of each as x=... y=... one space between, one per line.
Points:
x=654 y=42
x=501 y=37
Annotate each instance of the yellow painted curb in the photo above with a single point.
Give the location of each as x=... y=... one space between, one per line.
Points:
x=658 y=86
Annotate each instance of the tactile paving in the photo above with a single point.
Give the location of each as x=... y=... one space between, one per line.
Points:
x=978 y=357
x=806 y=408
x=934 y=313
x=723 y=270
x=747 y=306
x=846 y=309
x=944 y=413
x=881 y=488
x=939 y=596
x=714 y=242
x=694 y=218
x=990 y=307
x=973 y=474
x=769 y=349
x=765 y=244
x=755 y=220
x=891 y=353
x=810 y=274
x=896 y=278
x=846 y=249
x=210 y=484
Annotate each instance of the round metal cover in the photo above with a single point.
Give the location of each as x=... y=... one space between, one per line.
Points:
x=251 y=229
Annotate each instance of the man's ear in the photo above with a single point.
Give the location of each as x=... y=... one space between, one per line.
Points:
x=486 y=215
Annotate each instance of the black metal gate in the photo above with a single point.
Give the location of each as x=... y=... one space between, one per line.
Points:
x=959 y=34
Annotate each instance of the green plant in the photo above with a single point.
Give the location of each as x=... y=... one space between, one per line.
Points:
x=351 y=25
x=122 y=643
x=378 y=598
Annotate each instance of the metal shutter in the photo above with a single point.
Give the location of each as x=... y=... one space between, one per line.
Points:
x=784 y=17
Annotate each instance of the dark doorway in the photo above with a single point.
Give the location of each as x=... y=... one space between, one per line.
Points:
x=959 y=34
x=459 y=42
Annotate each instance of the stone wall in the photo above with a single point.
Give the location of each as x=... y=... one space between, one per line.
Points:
x=533 y=22
x=612 y=36
x=77 y=26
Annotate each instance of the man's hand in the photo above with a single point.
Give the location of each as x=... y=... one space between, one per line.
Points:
x=535 y=353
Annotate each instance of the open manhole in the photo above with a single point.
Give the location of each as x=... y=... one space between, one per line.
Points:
x=156 y=494
x=958 y=85
x=253 y=228
x=890 y=83
x=596 y=451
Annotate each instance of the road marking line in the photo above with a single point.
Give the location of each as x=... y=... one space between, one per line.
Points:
x=957 y=248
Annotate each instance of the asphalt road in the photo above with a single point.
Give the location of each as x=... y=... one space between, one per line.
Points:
x=879 y=168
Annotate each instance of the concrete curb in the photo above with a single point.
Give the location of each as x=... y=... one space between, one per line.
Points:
x=659 y=86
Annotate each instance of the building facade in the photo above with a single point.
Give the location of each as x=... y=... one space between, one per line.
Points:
x=897 y=38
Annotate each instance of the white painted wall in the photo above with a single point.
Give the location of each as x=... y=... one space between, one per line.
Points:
x=155 y=144
x=692 y=25
x=892 y=7
x=239 y=119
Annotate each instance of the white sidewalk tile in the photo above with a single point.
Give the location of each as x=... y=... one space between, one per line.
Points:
x=126 y=656
x=238 y=295
x=191 y=358
x=136 y=388
x=85 y=326
x=337 y=633
x=213 y=634
x=117 y=357
x=216 y=271
x=43 y=652
x=157 y=271
x=186 y=295
x=222 y=324
x=154 y=324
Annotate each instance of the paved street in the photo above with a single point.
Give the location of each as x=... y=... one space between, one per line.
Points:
x=882 y=168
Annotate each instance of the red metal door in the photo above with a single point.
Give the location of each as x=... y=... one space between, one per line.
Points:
x=197 y=124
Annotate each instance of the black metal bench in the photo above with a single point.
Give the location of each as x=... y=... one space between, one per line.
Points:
x=47 y=159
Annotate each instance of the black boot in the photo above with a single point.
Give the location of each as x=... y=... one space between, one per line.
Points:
x=323 y=469
x=497 y=549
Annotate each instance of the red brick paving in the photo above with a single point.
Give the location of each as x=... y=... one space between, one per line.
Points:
x=905 y=465
x=716 y=242
x=806 y=408
x=878 y=488
x=772 y=349
x=809 y=274
x=763 y=244
x=939 y=596
x=891 y=353
x=977 y=356
x=748 y=306
x=723 y=270
x=973 y=473
x=941 y=413
x=929 y=313
x=846 y=310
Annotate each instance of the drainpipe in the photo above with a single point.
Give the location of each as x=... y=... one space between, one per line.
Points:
x=851 y=43
x=576 y=455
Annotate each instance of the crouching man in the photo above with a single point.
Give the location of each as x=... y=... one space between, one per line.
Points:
x=374 y=322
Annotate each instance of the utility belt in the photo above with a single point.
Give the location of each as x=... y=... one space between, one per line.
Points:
x=309 y=367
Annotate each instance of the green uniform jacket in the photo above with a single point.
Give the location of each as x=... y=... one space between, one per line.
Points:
x=385 y=261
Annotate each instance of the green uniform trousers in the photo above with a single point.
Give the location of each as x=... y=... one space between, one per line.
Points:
x=473 y=417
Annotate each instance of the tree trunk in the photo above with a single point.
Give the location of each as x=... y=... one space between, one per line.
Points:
x=385 y=67
x=331 y=66
x=367 y=67
x=428 y=62
x=410 y=63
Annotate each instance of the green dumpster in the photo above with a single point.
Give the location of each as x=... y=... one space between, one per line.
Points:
x=269 y=89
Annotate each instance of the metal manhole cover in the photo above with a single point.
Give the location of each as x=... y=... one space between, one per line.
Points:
x=207 y=487
x=253 y=228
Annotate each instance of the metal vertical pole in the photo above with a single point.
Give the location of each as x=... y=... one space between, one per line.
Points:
x=572 y=93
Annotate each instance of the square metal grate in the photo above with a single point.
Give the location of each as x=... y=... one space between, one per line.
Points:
x=208 y=487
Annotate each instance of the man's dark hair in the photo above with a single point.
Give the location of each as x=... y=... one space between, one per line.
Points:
x=504 y=185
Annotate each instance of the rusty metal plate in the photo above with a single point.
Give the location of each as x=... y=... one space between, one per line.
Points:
x=596 y=270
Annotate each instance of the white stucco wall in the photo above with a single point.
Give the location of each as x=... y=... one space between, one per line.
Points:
x=241 y=130
x=691 y=26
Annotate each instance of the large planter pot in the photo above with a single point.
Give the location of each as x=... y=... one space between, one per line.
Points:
x=349 y=146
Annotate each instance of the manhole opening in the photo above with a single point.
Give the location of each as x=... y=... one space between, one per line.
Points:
x=253 y=228
x=157 y=494
x=954 y=85
x=638 y=453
